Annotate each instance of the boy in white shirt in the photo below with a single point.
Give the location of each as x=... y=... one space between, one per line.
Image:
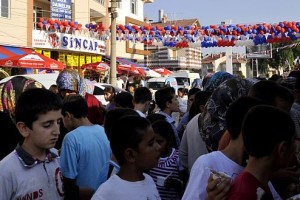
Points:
x=136 y=150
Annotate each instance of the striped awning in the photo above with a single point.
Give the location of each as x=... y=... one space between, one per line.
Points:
x=8 y=51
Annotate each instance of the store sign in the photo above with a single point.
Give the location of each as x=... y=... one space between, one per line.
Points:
x=61 y=9
x=68 y=42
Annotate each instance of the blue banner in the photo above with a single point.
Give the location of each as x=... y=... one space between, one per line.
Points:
x=61 y=9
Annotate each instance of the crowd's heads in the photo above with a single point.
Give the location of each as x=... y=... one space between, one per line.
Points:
x=273 y=94
x=236 y=113
x=68 y=81
x=124 y=100
x=213 y=122
x=164 y=95
x=128 y=135
x=109 y=93
x=142 y=95
x=34 y=102
x=216 y=79
x=165 y=130
x=264 y=128
x=114 y=115
x=75 y=105
x=12 y=89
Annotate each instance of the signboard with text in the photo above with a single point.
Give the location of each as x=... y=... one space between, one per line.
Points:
x=69 y=42
x=61 y=9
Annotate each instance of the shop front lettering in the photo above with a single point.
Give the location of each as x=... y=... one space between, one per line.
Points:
x=79 y=43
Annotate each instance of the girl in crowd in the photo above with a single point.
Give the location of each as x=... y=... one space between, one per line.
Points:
x=168 y=174
x=109 y=95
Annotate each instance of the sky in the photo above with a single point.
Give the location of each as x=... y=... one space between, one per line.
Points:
x=214 y=11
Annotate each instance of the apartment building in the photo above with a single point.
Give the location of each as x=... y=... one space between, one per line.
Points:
x=22 y=28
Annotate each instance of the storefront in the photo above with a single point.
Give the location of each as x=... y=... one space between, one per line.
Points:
x=72 y=49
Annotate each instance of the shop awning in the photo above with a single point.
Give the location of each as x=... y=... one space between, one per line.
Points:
x=8 y=51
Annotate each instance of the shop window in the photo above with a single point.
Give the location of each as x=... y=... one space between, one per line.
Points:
x=4 y=8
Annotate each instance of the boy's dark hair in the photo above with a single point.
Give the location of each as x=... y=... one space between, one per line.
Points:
x=164 y=129
x=155 y=117
x=114 y=115
x=264 y=127
x=124 y=100
x=128 y=133
x=193 y=91
x=236 y=113
x=76 y=105
x=164 y=95
x=181 y=90
x=270 y=92
x=34 y=102
x=141 y=95
x=201 y=98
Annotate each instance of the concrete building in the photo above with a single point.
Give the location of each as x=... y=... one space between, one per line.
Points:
x=21 y=28
x=173 y=58
x=217 y=62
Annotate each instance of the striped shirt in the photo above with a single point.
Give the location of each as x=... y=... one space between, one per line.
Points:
x=167 y=166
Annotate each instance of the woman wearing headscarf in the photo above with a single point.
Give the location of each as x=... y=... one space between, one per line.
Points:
x=213 y=118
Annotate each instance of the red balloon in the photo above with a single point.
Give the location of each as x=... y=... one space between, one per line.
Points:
x=41 y=19
x=40 y=24
x=52 y=22
x=72 y=23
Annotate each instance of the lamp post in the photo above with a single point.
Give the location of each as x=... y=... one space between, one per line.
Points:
x=113 y=58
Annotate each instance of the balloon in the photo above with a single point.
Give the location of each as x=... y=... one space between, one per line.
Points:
x=72 y=23
x=41 y=19
x=87 y=26
x=40 y=25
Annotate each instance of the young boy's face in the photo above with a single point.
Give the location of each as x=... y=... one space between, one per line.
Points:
x=174 y=105
x=45 y=130
x=148 y=151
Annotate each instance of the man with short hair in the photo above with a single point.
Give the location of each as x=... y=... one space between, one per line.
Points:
x=141 y=99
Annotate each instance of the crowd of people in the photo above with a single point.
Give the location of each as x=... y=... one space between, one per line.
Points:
x=229 y=138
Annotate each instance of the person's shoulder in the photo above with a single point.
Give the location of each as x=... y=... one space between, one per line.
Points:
x=7 y=163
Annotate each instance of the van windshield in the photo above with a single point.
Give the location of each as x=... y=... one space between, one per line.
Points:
x=156 y=85
x=180 y=80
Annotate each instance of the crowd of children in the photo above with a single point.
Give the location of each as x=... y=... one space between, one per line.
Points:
x=235 y=138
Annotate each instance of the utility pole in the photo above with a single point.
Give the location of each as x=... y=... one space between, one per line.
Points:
x=113 y=57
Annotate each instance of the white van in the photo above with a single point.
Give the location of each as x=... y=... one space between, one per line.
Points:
x=183 y=75
x=155 y=84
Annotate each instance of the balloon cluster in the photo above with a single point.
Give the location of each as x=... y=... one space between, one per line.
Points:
x=211 y=36
x=189 y=36
x=55 y=24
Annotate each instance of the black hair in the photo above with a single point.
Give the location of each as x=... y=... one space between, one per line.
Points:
x=124 y=100
x=76 y=105
x=114 y=115
x=201 y=98
x=270 y=92
x=164 y=129
x=142 y=94
x=128 y=133
x=109 y=89
x=164 y=95
x=236 y=113
x=155 y=116
x=193 y=91
x=264 y=127
x=34 y=102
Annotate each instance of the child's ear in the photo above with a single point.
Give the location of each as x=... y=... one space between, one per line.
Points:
x=23 y=129
x=284 y=149
x=130 y=155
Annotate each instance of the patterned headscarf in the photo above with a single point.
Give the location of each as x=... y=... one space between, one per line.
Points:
x=213 y=120
x=216 y=80
x=68 y=79
x=12 y=89
x=86 y=86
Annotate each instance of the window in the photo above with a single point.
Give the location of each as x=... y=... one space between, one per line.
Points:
x=102 y=2
x=37 y=13
x=4 y=8
x=133 y=6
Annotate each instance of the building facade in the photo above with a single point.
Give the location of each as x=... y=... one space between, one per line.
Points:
x=66 y=30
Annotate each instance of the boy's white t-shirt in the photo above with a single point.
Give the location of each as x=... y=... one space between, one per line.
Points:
x=196 y=188
x=116 y=188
